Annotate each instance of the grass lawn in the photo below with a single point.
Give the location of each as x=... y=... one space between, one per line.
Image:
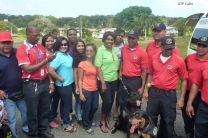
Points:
x=181 y=43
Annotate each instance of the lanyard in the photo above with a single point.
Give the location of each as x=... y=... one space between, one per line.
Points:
x=38 y=55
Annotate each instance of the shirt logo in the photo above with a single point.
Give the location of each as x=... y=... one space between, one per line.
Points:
x=135 y=57
x=169 y=41
x=169 y=67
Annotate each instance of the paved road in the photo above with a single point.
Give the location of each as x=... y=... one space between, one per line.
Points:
x=59 y=133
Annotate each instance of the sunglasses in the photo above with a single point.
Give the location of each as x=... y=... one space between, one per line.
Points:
x=64 y=44
x=6 y=42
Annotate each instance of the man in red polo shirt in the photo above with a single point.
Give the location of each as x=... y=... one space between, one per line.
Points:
x=200 y=81
x=133 y=67
x=154 y=46
x=193 y=63
x=32 y=59
x=163 y=71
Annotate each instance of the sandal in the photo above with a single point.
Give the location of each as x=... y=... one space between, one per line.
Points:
x=103 y=127
x=109 y=126
x=70 y=129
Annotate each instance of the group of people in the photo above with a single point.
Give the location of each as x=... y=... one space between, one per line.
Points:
x=35 y=78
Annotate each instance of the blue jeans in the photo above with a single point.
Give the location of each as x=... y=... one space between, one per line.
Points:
x=89 y=107
x=65 y=93
x=78 y=108
x=11 y=110
x=54 y=100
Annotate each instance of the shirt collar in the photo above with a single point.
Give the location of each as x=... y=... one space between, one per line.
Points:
x=29 y=44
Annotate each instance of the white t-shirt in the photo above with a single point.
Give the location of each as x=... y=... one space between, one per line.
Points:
x=164 y=59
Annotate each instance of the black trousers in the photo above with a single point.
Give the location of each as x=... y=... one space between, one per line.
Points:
x=37 y=100
x=163 y=103
x=189 y=122
x=201 y=123
x=132 y=84
x=108 y=96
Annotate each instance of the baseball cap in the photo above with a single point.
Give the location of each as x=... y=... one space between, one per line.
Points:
x=159 y=27
x=5 y=36
x=134 y=33
x=168 y=42
x=203 y=41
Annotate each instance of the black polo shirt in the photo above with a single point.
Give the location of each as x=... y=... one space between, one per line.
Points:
x=10 y=74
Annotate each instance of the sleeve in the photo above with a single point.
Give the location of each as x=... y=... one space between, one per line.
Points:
x=99 y=58
x=198 y=78
x=22 y=56
x=182 y=72
x=144 y=61
x=150 y=66
x=81 y=65
x=75 y=62
x=56 y=62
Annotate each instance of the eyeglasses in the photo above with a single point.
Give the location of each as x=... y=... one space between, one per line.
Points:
x=64 y=44
x=6 y=42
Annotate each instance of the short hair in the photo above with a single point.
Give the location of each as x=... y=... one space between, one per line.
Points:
x=108 y=33
x=71 y=29
x=58 y=43
x=45 y=37
x=118 y=31
x=30 y=27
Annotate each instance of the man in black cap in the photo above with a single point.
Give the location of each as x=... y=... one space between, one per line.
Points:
x=133 y=67
x=154 y=46
x=163 y=71
x=200 y=83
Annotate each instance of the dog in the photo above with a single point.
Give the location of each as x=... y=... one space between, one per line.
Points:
x=143 y=124
x=5 y=131
x=132 y=103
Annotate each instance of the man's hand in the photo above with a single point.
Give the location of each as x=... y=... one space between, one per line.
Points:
x=190 y=110
x=3 y=95
x=180 y=104
x=145 y=95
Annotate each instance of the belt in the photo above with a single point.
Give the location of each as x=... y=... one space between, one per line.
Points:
x=35 y=81
x=204 y=103
x=162 y=90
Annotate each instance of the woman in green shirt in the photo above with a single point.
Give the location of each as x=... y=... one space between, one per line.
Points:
x=107 y=62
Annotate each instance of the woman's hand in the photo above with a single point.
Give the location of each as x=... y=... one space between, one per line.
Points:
x=82 y=97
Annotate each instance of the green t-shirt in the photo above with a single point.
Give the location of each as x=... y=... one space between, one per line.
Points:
x=108 y=61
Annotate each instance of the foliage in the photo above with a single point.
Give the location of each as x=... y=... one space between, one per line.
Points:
x=44 y=24
x=7 y=26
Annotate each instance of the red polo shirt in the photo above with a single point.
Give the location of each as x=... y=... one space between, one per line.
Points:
x=133 y=61
x=153 y=49
x=28 y=54
x=193 y=63
x=201 y=80
x=165 y=75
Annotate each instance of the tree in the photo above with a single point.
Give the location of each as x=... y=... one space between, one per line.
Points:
x=44 y=24
x=134 y=16
x=7 y=26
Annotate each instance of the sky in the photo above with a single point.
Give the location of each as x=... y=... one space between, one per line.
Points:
x=74 y=8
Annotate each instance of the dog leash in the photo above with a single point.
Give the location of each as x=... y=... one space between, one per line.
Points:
x=124 y=86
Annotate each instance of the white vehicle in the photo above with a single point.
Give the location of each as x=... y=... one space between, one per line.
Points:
x=201 y=29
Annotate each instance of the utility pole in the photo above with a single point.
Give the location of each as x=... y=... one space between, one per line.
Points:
x=80 y=18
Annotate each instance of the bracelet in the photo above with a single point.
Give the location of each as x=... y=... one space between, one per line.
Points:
x=51 y=82
x=46 y=59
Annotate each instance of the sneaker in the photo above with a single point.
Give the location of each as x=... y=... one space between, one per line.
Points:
x=90 y=131
x=58 y=120
x=94 y=124
x=70 y=117
x=53 y=124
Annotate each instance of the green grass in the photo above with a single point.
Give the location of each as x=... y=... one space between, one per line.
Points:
x=181 y=43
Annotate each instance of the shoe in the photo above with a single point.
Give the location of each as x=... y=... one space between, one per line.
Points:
x=58 y=120
x=79 y=122
x=109 y=125
x=70 y=117
x=46 y=135
x=94 y=124
x=53 y=124
x=90 y=131
x=103 y=127
x=70 y=129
